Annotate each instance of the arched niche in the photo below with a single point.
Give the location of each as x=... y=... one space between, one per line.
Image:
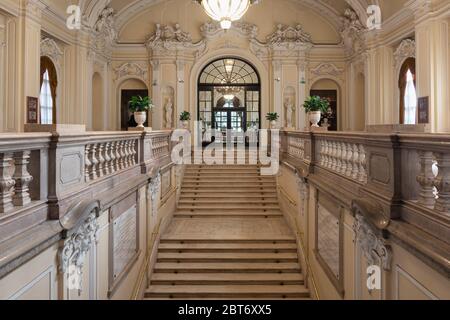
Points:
x=289 y=107
x=98 y=110
x=329 y=88
x=126 y=88
x=168 y=100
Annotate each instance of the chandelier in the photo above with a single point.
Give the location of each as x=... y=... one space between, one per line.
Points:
x=229 y=92
x=226 y=11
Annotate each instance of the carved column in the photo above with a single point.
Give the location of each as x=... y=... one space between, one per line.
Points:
x=426 y=179
x=6 y=183
x=442 y=183
x=302 y=94
x=22 y=178
x=180 y=103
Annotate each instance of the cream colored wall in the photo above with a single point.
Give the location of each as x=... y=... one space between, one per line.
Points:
x=408 y=278
x=22 y=30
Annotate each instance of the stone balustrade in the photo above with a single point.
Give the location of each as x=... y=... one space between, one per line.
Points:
x=19 y=178
x=433 y=174
x=345 y=158
x=105 y=158
x=42 y=166
x=414 y=166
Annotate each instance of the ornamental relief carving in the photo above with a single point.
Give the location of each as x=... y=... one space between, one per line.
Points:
x=75 y=248
x=172 y=38
x=105 y=33
x=50 y=48
x=406 y=49
x=153 y=191
x=327 y=69
x=131 y=69
x=374 y=247
x=352 y=32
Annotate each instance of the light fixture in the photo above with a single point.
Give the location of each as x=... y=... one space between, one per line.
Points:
x=226 y=11
x=229 y=92
x=229 y=64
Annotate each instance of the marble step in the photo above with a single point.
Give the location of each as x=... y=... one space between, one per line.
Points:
x=224 y=213
x=219 y=195
x=198 y=201
x=229 y=206
x=230 y=185
x=237 y=267
x=225 y=247
x=215 y=279
x=226 y=257
x=228 y=291
x=231 y=191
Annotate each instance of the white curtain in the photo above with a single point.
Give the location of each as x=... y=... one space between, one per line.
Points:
x=410 y=100
x=46 y=101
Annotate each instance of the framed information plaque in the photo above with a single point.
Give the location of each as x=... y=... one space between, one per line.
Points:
x=423 y=109
x=32 y=110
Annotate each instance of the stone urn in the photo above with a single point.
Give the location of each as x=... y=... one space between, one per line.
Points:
x=314 y=118
x=185 y=124
x=273 y=124
x=140 y=118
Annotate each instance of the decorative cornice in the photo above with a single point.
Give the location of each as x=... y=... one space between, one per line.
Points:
x=131 y=69
x=50 y=48
x=406 y=49
x=212 y=29
x=172 y=38
x=327 y=69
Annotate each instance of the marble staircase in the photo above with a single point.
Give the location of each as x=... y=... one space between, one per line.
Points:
x=228 y=240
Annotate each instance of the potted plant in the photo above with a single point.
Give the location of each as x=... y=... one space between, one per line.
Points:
x=314 y=107
x=184 y=118
x=273 y=118
x=140 y=106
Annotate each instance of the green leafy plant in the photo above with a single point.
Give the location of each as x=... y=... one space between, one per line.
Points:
x=140 y=104
x=272 y=116
x=316 y=103
x=185 y=116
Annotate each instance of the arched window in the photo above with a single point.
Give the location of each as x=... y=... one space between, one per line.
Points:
x=49 y=83
x=46 y=100
x=408 y=95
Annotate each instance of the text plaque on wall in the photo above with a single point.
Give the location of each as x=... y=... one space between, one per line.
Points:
x=124 y=240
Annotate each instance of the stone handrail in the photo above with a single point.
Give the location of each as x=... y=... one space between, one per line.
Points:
x=45 y=176
x=399 y=183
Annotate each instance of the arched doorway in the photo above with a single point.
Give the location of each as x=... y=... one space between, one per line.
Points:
x=127 y=89
x=229 y=91
x=328 y=89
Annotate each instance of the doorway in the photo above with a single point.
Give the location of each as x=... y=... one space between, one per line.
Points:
x=229 y=97
x=127 y=118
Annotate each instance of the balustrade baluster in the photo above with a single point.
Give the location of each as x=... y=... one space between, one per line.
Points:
x=87 y=163
x=101 y=160
x=328 y=160
x=333 y=155
x=127 y=154
x=94 y=162
x=108 y=169
x=22 y=178
x=355 y=160
x=114 y=156
x=349 y=170
x=6 y=183
x=339 y=157
x=122 y=154
x=442 y=183
x=134 y=152
x=426 y=179
x=344 y=158
x=362 y=176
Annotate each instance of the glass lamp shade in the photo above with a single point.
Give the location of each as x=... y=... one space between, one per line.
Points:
x=226 y=11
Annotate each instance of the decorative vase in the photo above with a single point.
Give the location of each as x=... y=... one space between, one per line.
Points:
x=185 y=124
x=273 y=124
x=140 y=118
x=314 y=118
